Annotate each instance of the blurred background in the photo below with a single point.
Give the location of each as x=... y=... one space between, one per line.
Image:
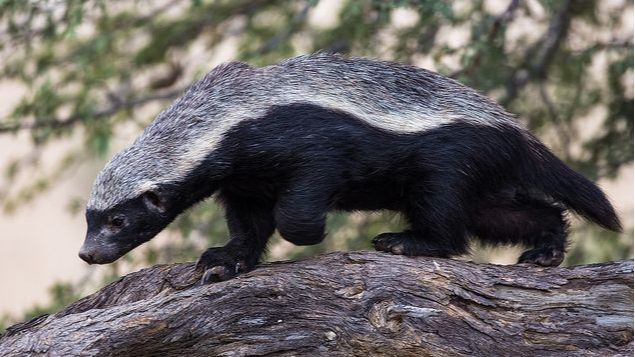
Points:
x=81 y=79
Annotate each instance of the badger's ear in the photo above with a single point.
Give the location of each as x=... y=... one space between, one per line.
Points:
x=153 y=201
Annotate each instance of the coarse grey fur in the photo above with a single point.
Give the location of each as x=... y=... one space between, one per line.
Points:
x=386 y=95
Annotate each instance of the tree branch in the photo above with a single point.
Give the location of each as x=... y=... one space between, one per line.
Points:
x=563 y=131
x=106 y=112
x=347 y=304
x=538 y=59
x=297 y=21
x=499 y=22
x=504 y=18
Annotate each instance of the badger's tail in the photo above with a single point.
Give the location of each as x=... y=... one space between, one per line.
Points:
x=554 y=178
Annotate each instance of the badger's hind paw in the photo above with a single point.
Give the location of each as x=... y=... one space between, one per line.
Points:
x=219 y=265
x=408 y=243
x=544 y=256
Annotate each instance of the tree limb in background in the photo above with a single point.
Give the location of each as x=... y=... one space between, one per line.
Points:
x=538 y=58
x=116 y=106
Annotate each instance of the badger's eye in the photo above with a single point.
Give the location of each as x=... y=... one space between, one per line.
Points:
x=117 y=222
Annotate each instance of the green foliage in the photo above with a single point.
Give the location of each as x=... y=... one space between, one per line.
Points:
x=5 y=321
x=594 y=245
x=92 y=67
x=61 y=295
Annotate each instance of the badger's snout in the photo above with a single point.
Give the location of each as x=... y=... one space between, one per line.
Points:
x=86 y=255
x=93 y=252
x=92 y=255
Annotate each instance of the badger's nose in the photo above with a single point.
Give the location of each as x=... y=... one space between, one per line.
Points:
x=86 y=256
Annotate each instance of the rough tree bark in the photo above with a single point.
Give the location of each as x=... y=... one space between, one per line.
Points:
x=347 y=304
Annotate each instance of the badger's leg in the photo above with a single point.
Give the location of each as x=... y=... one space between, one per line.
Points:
x=436 y=224
x=530 y=222
x=250 y=223
x=300 y=211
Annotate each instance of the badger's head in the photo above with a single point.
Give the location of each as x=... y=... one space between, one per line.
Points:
x=128 y=206
x=135 y=197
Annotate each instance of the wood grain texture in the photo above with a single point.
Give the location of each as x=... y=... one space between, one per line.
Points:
x=347 y=304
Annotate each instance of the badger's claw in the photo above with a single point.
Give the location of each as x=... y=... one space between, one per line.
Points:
x=219 y=265
x=222 y=273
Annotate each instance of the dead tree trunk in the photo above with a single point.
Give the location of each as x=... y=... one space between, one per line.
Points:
x=347 y=304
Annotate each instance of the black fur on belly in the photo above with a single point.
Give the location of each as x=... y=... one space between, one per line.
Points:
x=457 y=181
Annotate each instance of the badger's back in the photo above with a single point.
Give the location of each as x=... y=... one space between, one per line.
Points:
x=389 y=96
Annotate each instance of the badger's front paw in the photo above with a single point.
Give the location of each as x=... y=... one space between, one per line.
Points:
x=219 y=264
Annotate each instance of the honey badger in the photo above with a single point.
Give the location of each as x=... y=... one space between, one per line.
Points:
x=281 y=146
